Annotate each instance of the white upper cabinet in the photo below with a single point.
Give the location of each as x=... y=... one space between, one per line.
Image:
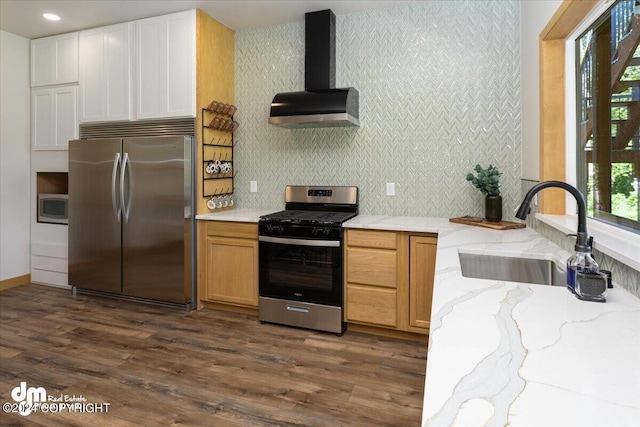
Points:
x=106 y=73
x=54 y=60
x=54 y=117
x=165 y=66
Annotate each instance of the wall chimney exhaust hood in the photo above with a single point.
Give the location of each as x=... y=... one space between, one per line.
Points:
x=321 y=104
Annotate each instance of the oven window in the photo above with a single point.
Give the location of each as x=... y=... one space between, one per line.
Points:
x=305 y=273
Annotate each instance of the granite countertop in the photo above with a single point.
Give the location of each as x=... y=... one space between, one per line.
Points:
x=507 y=353
x=236 y=215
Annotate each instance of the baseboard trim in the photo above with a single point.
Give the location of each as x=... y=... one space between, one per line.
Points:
x=15 y=281
x=230 y=307
x=355 y=327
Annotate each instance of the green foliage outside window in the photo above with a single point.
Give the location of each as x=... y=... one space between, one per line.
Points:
x=616 y=194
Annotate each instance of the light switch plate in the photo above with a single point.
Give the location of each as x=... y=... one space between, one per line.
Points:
x=253 y=186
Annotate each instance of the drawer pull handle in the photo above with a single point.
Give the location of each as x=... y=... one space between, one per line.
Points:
x=297 y=309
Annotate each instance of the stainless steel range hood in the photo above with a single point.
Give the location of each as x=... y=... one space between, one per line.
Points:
x=321 y=104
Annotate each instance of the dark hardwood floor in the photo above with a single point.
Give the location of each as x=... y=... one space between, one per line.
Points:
x=159 y=366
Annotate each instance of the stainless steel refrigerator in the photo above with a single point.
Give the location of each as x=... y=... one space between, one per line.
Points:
x=131 y=225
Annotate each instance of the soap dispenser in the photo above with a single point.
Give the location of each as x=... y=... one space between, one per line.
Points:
x=579 y=262
x=583 y=277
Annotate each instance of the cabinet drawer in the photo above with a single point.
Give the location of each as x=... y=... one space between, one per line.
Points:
x=375 y=267
x=241 y=230
x=372 y=239
x=372 y=305
x=49 y=277
x=46 y=263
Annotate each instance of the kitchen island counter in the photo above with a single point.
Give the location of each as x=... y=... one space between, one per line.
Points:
x=509 y=353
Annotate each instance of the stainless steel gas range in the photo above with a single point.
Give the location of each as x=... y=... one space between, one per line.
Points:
x=301 y=268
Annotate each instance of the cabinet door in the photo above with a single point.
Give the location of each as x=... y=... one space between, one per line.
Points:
x=165 y=66
x=41 y=119
x=54 y=60
x=117 y=71
x=54 y=117
x=105 y=73
x=179 y=86
x=149 y=68
x=232 y=271
x=422 y=256
x=65 y=116
x=42 y=59
x=66 y=66
x=91 y=76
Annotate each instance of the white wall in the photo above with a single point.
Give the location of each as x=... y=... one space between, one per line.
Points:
x=534 y=15
x=15 y=150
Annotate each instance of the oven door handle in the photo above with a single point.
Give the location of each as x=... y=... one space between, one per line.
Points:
x=301 y=242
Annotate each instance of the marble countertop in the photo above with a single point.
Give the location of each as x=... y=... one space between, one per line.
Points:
x=236 y=215
x=506 y=353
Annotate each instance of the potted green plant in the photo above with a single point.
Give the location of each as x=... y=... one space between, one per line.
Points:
x=488 y=182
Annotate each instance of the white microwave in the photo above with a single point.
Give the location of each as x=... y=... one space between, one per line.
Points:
x=53 y=208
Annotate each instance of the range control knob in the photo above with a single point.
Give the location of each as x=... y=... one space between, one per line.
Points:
x=327 y=230
x=315 y=231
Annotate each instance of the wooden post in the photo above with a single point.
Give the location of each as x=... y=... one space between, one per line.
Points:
x=552 y=95
x=602 y=118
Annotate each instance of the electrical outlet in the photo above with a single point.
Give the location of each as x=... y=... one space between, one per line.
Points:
x=253 y=187
x=391 y=189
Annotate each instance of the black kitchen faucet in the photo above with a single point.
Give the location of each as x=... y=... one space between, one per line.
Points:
x=583 y=243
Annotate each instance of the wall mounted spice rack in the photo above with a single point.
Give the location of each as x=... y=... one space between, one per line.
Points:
x=217 y=149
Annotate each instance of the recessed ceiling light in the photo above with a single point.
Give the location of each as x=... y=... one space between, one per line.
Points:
x=51 y=16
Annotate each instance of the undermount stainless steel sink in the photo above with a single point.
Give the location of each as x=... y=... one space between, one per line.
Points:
x=512 y=269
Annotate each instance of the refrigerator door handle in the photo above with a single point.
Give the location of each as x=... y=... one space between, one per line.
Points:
x=123 y=204
x=114 y=199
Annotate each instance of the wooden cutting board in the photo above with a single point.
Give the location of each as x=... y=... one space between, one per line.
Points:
x=480 y=222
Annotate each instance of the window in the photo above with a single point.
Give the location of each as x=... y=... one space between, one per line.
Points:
x=608 y=115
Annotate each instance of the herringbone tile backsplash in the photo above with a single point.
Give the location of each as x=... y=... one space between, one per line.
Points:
x=439 y=87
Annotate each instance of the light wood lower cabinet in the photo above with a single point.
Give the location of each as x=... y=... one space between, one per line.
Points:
x=229 y=267
x=422 y=263
x=389 y=279
x=371 y=276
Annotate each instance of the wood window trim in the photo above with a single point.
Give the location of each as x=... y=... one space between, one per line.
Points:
x=552 y=98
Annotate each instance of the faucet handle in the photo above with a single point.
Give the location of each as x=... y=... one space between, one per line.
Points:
x=591 y=241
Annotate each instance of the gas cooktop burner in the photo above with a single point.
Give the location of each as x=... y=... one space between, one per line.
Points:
x=331 y=205
x=311 y=217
